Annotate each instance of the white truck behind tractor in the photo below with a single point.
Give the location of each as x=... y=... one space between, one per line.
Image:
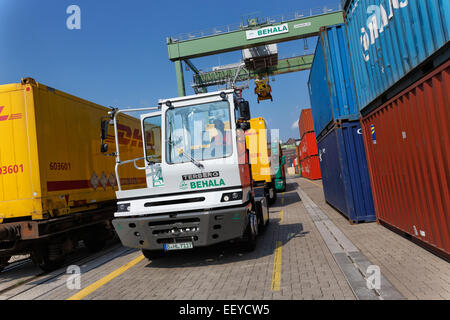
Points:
x=199 y=189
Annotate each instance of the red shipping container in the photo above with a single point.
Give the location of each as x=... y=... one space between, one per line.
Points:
x=408 y=152
x=308 y=146
x=311 y=168
x=305 y=122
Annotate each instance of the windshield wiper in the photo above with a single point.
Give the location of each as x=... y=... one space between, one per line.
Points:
x=198 y=164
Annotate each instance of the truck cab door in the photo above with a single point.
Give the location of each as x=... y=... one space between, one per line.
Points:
x=152 y=135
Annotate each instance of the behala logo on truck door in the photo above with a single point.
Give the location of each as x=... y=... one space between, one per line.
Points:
x=201 y=184
x=207 y=184
x=13 y=116
x=377 y=21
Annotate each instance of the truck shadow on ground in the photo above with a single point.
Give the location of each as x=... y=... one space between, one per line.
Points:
x=227 y=253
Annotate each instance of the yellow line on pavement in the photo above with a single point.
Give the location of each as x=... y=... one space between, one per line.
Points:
x=281 y=215
x=276 y=274
x=91 y=288
x=313 y=182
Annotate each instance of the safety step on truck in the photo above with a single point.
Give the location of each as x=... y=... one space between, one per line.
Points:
x=199 y=189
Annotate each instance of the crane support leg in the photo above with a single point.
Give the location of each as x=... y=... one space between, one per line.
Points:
x=180 y=78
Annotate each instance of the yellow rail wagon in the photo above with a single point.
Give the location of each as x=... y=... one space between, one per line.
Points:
x=56 y=187
x=258 y=141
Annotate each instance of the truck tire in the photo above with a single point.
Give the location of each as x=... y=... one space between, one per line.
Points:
x=261 y=225
x=271 y=201
x=250 y=235
x=152 y=254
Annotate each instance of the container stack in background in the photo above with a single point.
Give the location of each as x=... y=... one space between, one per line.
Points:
x=289 y=151
x=298 y=159
x=345 y=176
x=309 y=159
x=400 y=58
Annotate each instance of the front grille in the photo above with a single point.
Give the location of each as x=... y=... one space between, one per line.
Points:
x=176 y=231
x=169 y=202
x=177 y=240
x=173 y=222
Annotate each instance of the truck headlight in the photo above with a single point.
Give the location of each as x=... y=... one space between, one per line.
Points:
x=123 y=207
x=231 y=196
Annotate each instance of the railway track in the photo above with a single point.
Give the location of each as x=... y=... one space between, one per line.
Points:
x=21 y=272
x=15 y=264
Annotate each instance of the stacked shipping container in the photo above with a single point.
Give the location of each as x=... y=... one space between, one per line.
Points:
x=308 y=146
x=330 y=84
x=310 y=168
x=399 y=52
x=342 y=156
x=345 y=175
x=408 y=148
x=389 y=38
x=308 y=155
x=305 y=122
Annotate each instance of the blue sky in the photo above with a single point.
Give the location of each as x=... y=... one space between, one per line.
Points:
x=119 y=57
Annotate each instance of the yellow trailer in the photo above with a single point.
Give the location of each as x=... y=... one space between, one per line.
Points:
x=258 y=141
x=55 y=184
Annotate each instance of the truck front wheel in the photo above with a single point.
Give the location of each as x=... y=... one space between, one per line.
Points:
x=271 y=196
x=152 y=254
x=251 y=233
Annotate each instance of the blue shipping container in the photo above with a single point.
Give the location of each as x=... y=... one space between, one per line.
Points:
x=389 y=38
x=345 y=175
x=331 y=86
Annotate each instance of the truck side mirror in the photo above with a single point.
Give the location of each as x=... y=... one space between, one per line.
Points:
x=244 y=126
x=244 y=110
x=104 y=148
x=104 y=128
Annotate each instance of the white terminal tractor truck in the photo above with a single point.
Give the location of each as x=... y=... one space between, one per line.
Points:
x=199 y=189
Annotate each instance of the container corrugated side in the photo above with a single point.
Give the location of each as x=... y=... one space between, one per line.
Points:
x=305 y=122
x=408 y=150
x=20 y=187
x=310 y=168
x=51 y=142
x=308 y=145
x=389 y=38
x=345 y=175
x=331 y=86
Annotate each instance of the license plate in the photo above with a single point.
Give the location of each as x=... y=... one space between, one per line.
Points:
x=178 y=246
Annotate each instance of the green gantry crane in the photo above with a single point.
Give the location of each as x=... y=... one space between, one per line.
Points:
x=254 y=34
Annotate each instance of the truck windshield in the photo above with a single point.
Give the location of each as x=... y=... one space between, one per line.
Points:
x=152 y=138
x=198 y=132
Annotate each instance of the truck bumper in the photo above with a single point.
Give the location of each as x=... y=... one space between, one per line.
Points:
x=202 y=228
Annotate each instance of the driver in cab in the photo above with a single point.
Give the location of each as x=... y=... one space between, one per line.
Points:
x=220 y=141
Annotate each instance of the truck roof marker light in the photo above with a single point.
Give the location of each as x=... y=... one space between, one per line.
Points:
x=169 y=104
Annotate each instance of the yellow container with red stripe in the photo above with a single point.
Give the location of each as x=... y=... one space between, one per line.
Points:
x=50 y=159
